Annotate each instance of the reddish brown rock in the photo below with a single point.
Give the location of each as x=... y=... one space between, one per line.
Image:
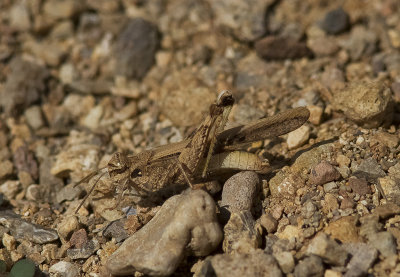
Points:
x=323 y=173
x=360 y=186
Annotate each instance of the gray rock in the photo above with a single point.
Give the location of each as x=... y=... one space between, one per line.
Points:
x=256 y=263
x=310 y=266
x=239 y=191
x=384 y=242
x=20 y=17
x=24 y=85
x=362 y=258
x=269 y=223
x=330 y=187
x=98 y=86
x=249 y=73
x=360 y=42
x=367 y=104
x=244 y=18
x=64 y=269
x=308 y=209
x=329 y=250
x=369 y=169
x=244 y=114
x=69 y=192
x=33 y=192
x=285 y=260
x=241 y=233
x=369 y=225
x=34 y=117
x=22 y=229
x=49 y=183
x=85 y=251
x=186 y=223
x=116 y=230
x=10 y=188
x=135 y=48
x=335 y=21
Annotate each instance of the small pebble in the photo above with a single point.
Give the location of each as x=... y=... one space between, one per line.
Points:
x=347 y=203
x=79 y=238
x=64 y=269
x=329 y=187
x=239 y=191
x=33 y=192
x=342 y=160
x=285 y=260
x=384 y=242
x=256 y=263
x=244 y=18
x=87 y=249
x=332 y=273
x=298 y=137
x=323 y=173
x=241 y=233
x=34 y=117
x=67 y=226
x=310 y=266
x=316 y=113
x=335 y=22
x=10 y=189
x=9 y=242
x=360 y=186
x=269 y=223
x=6 y=168
x=363 y=257
x=329 y=250
x=135 y=48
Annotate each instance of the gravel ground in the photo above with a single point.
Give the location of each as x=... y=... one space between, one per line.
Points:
x=81 y=80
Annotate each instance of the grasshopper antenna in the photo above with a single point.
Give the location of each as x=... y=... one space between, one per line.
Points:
x=86 y=179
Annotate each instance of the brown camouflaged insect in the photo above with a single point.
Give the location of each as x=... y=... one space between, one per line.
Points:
x=203 y=155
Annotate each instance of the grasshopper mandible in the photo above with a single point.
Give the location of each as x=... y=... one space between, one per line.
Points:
x=199 y=157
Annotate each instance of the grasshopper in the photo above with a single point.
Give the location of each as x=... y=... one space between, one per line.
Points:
x=208 y=151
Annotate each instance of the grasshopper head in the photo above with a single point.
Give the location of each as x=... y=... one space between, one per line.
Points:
x=118 y=164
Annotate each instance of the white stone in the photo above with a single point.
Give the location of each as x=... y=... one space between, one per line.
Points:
x=298 y=137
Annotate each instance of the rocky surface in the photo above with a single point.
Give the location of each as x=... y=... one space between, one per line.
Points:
x=81 y=80
x=185 y=224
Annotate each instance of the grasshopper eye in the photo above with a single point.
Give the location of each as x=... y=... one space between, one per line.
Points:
x=136 y=173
